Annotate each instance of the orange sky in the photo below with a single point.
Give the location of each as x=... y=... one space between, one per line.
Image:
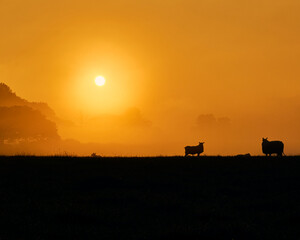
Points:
x=169 y=65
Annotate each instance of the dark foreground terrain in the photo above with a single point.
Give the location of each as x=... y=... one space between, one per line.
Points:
x=150 y=198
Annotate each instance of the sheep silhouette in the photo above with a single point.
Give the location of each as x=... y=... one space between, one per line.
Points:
x=194 y=149
x=270 y=147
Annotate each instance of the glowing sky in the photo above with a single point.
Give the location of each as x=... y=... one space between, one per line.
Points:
x=173 y=60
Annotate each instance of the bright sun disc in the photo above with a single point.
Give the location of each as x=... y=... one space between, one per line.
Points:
x=100 y=81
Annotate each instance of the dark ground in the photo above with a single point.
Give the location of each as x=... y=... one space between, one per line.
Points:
x=150 y=198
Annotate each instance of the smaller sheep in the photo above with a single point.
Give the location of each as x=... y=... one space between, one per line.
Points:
x=194 y=149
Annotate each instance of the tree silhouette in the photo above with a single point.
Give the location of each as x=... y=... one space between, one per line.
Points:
x=21 y=123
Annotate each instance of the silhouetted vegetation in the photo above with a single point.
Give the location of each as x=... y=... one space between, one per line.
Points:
x=9 y=99
x=26 y=127
x=149 y=198
x=20 y=123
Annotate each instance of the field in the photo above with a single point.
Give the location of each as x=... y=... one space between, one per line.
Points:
x=150 y=198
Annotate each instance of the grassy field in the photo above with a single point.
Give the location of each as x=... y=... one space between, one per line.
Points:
x=150 y=198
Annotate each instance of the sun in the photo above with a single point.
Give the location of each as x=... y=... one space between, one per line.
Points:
x=100 y=81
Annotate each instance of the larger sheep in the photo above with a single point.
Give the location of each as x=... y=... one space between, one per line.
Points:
x=194 y=149
x=270 y=147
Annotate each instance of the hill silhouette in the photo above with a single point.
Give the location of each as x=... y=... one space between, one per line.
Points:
x=149 y=198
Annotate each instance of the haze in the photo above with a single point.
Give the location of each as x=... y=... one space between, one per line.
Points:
x=177 y=72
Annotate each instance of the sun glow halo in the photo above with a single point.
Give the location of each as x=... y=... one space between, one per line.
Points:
x=100 y=81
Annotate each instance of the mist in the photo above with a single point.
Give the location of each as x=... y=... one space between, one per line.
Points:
x=177 y=73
